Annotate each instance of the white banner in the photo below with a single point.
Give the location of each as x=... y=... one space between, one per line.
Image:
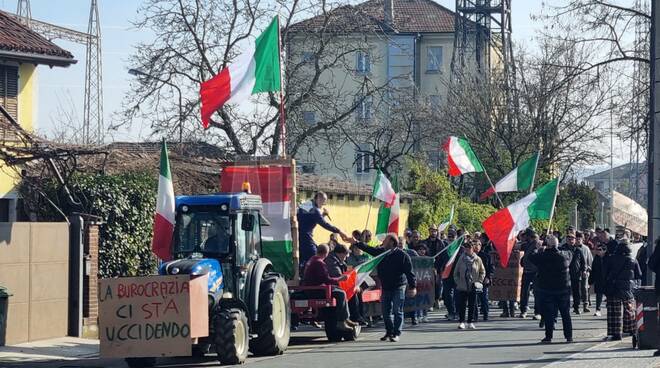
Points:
x=630 y=214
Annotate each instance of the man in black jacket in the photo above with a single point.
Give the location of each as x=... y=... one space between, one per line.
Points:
x=553 y=287
x=395 y=273
x=576 y=269
x=528 y=244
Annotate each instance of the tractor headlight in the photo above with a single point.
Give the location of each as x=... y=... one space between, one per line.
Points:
x=175 y=271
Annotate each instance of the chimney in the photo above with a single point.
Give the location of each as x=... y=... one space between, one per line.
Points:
x=389 y=12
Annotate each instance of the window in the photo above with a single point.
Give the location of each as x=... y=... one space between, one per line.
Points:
x=4 y=210
x=363 y=161
x=434 y=102
x=307 y=56
x=363 y=63
x=364 y=108
x=8 y=99
x=309 y=117
x=434 y=62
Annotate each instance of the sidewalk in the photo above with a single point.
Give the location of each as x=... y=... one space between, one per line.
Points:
x=64 y=348
x=610 y=354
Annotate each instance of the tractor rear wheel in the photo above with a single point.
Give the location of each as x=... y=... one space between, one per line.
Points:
x=231 y=336
x=273 y=328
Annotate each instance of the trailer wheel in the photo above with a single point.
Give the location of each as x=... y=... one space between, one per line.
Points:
x=331 y=330
x=140 y=362
x=231 y=336
x=273 y=328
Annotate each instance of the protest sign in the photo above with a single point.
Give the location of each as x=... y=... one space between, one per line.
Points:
x=151 y=316
x=425 y=274
x=505 y=283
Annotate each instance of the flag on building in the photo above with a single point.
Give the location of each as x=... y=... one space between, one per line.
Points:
x=452 y=253
x=520 y=179
x=249 y=74
x=461 y=159
x=388 y=212
x=448 y=221
x=359 y=274
x=274 y=185
x=383 y=189
x=504 y=225
x=164 y=219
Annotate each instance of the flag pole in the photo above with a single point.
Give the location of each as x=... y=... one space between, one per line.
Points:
x=552 y=211
x=536 y=167
x=488 y=178
x=282 y=112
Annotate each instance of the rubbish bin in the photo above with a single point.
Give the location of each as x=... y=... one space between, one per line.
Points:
x=647 y=318
x=4 y=308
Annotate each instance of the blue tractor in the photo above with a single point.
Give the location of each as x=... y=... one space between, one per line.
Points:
x=220 y=235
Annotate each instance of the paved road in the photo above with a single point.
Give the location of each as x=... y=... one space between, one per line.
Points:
x=497 y=343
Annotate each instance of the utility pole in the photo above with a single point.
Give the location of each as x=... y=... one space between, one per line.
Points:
x=654 y=139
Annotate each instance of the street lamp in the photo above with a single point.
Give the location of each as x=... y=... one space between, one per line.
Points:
x=137 y=72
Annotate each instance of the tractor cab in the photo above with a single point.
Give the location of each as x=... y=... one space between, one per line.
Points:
x=218 y=235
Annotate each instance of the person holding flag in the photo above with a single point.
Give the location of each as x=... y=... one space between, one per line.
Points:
x=395 y=272
x=445 y=265
x=469 y=275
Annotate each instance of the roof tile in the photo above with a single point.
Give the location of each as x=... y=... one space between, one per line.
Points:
x=16 y=37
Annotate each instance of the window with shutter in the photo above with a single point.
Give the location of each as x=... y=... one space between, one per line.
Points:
x=9 y=100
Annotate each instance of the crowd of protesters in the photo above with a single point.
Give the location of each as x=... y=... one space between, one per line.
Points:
x=560 y=270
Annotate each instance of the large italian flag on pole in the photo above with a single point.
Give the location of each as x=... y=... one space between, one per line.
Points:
x=274 y=184
x=504 y=225
x=359 y=274
x=452 y=252
x=461 y=159
x=164 y=217
x=520 y=179
x=249 y=74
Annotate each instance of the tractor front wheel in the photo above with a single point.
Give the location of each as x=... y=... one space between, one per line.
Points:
x=231 y=336
x=274 y=325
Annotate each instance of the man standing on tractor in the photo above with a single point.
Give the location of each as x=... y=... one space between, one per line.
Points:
x=310 y=214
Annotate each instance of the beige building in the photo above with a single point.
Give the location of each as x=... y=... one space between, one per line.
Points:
x=401 y=49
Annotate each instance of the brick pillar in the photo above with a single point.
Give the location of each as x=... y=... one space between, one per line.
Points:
x=90 y=281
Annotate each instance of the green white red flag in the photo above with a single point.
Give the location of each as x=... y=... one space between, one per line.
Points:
x=250 y=74
x=448 y=221
x=383 y=189
x=274 y=184
x=520 y=179
x=359 y=274
x=388 y=212
x=504 y=225
x=461 y=159
x=452 y=253
x=165 y=211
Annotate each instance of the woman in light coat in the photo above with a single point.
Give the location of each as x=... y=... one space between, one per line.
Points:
x=469 y=274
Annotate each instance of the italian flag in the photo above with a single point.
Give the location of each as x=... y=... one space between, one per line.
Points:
x=445 y=224
x=274 y=183
x=521 y=178
x=452 y=253
x=388 y=212
x=250 y=74
x=383 y=189
x=504 y=225
x=165 y=210
x=461 y=159
x=359 y=274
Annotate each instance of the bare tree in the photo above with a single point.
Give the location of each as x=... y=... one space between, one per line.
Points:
x=195 y=39
x=555 y=112
x=617 y=36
